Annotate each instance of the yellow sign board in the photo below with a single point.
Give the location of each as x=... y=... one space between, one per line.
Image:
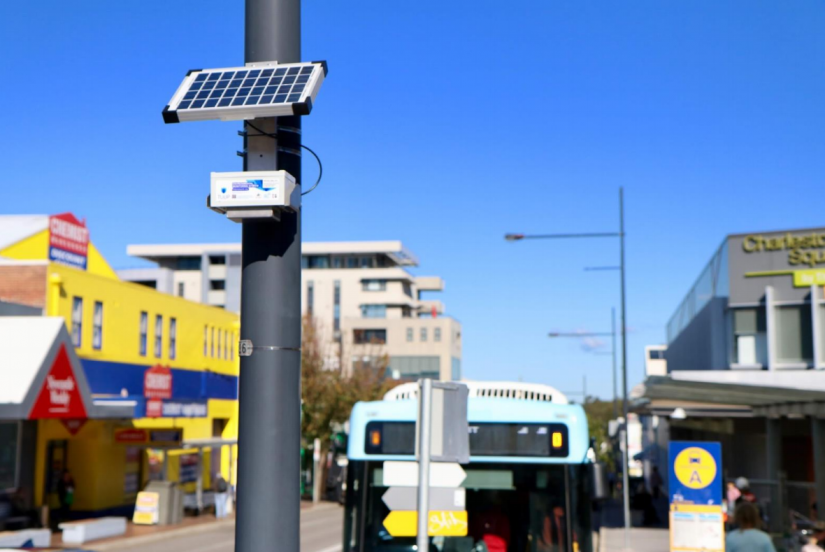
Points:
x=146 y=509
x=695 y=468
x=696 y=528
x=805 y=278
x=442 y=523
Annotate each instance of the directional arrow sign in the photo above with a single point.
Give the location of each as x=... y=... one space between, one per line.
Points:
x=441 y=523
x=441 y=498
x=405 y=474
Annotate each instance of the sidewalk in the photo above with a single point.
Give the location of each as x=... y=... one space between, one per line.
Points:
x=641 y=540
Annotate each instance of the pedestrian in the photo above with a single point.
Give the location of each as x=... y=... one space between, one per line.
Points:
x=747 y=537
x=733 y=494
x=656 y=482
x=65 y=495
x=221 y=492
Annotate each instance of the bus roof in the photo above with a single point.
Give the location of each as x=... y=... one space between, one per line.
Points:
x=479 y=410
x=498 y=389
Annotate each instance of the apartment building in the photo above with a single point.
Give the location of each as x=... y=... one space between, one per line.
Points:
x=367 y=307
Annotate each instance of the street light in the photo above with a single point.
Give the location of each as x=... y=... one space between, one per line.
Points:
x=620 y=234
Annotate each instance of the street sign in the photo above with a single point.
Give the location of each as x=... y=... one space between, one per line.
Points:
x=695 y=496
x=440 y=523
x=441 y=498
x=405 y=474
x=245 y=347
x=449 y=429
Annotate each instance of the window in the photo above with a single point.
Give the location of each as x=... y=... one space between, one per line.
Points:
x=226 y=345
x=220 y=339
x=77 y=321
x=437 y=334
x=205 y=340
x=373 y=311
x=189 y=263
x=793 y=335
x=423 y=334
x=410 y=335
x=212 y=344
x=97 y=326
x=217 y=285
x=173 y=338
x=374 y=285
x=232 y=346
x=144 y=328
x=310 y=297
x=336 y=306
x=318 y=261
x=180 y=289
x=217 y=259
x=367 y=262
x=9 y=453
x=750 y=341
x=656 y=355
x=407 y=289
x=338 y=262
x=352 y=262
x=158 y=336
x=378 y=337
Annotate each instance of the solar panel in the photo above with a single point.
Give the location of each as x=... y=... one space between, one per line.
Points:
x=236 y=93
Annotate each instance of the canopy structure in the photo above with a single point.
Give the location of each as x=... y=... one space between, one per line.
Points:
x=42 y=376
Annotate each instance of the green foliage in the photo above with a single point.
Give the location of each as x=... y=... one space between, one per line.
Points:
x=599 y=413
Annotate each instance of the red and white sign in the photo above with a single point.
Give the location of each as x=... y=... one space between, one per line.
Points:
x=68 y=233
x=154 y=408
x=60 y=396
x=157 y=383
x=130 y=435
x=73 y=425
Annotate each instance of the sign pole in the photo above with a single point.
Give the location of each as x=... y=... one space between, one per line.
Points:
x=269 y=433
x=425 y=393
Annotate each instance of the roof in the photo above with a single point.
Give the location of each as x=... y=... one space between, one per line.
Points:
x=159 y=251
x=490 y=389
x=24 y=344
x=15 y=228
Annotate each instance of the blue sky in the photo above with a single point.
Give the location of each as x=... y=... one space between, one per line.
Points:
x=446 y=125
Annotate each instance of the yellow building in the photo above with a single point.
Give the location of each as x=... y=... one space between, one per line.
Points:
x=168 y=362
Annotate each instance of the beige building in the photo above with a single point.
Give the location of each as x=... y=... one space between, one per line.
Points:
x=365 y=303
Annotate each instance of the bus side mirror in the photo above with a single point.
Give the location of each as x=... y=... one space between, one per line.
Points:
x=599 y=489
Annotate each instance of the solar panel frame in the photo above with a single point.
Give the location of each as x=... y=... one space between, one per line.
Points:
x=235 y=93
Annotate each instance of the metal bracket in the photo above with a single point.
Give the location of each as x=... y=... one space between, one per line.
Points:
x=245 y=348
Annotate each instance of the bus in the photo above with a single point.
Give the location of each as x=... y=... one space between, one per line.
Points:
x=529 y=482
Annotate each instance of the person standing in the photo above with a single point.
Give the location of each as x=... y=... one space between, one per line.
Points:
x=221 y=491
x=656 y=482
x=747 y=537
x=65 y=495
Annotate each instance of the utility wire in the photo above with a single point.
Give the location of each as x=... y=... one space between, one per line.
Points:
x=315 y=155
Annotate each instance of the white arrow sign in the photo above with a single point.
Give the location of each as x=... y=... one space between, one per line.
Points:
x=405 y=474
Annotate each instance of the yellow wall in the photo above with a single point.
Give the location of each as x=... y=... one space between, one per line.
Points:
x=36 y=248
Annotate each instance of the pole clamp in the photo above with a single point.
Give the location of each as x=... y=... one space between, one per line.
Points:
x=245 y=348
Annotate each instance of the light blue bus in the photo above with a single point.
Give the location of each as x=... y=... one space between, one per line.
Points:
x=529 y=482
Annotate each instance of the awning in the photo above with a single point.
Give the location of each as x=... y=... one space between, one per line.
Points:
x=42 y=376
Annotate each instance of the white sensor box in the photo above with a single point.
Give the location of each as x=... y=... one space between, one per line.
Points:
x=254 y=190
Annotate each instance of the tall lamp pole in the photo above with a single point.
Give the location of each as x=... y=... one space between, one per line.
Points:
x=620 y=234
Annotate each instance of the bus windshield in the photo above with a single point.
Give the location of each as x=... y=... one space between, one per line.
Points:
x=511 y=507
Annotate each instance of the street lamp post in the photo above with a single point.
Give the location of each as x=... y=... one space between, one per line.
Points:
x=620 y=235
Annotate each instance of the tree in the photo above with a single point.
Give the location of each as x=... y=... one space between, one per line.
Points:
x=599 y=413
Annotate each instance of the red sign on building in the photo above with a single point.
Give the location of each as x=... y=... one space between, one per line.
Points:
x=73 y=425
x=130 y=435
x=154 y=408
x=157 y=383
x=59 y=397
x=68 y=240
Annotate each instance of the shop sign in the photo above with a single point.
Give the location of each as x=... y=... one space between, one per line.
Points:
x=73 y=425
x=131 y=435
x=184 y=409
x=146 y=509
x=68 y=240
x=60 y=395
x=154 y=408
x=188 y=468
x=157 y=383
x=157 y=437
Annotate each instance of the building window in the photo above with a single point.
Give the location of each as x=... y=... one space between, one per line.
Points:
x=217 y=285
x=794 y=342
x=374 y=285
x=226 y=345
x=220 y=340
x=188 y=263
x=367 y=262
x=144 y=329
x=205 y=340
x=77 y=321
x=378 y=337
x=180 y=289
x=217 y=259
x=410 y=335
x=97 y=326
x=317 y=261
x=423 y=334
x=655 y=354
x=749 y=337
x=352 y=262
x=173 y=338
x=212 y=343
x=310 y=298
x=232 y=346
x=338 y=262
x=373 y=311
x=407 y=289
x=437 y=334
x=158 y=336
x=336 y=306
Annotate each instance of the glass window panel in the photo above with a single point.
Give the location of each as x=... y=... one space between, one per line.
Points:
x=793 y=334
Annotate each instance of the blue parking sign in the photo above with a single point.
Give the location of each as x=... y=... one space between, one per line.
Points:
x=695 y=472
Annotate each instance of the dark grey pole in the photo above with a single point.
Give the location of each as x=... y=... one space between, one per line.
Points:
x=425 y=398
x=615 y=380
x=625 y=455
x=269 y=435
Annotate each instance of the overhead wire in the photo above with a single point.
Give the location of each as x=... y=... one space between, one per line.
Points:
x=275 y=137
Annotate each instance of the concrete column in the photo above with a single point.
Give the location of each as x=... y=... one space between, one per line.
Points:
x=815 y=326
x=773 y=451
x=818 y=433
x=770 y=323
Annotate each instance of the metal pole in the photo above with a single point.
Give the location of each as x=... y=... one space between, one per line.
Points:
x=425 y=392
x=625 y=460
x=269 y=433
x=615 y=382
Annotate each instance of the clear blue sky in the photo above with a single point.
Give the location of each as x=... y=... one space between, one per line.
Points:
x=445 y=125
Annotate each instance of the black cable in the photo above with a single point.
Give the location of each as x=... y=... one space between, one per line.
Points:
x=275 y=137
